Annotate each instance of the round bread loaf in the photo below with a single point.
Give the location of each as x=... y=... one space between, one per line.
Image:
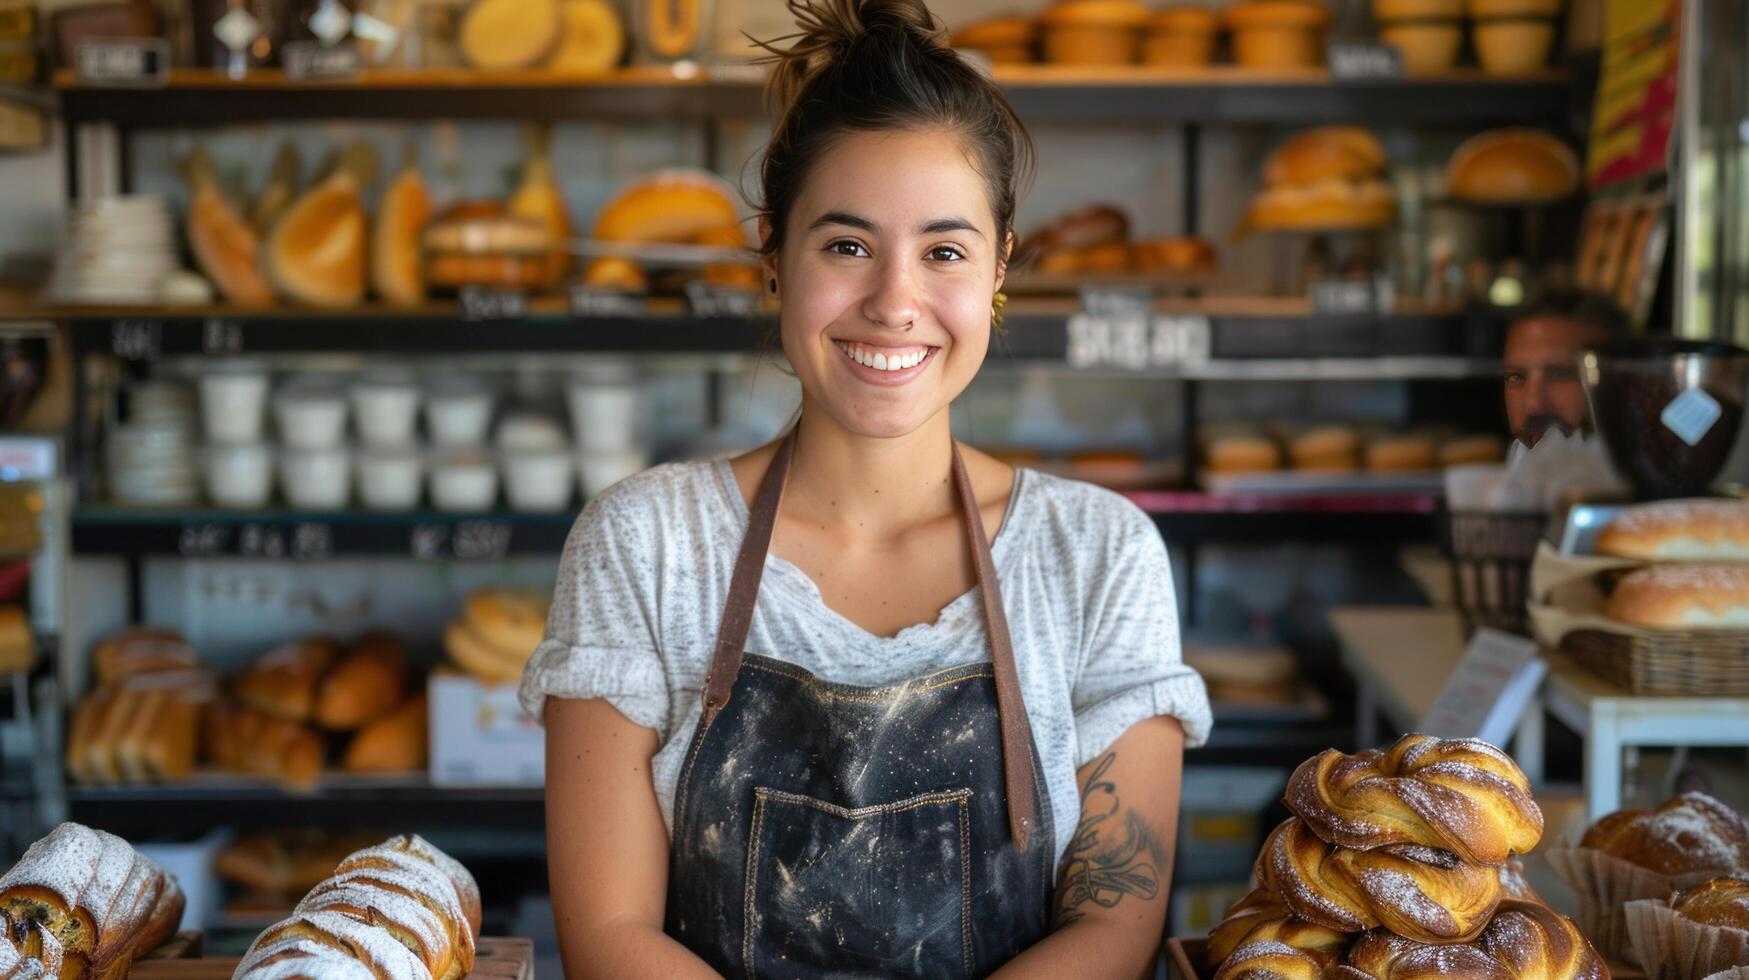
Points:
x=1688 y=597
x=1326 y=153
x=1512 y=166
x=1719 y=902
x=1688 y=833
x=1400 y=454
x=1690 y=530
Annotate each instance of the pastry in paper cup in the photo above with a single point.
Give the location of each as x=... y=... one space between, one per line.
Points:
x=1669 y=945
x=1605 y=884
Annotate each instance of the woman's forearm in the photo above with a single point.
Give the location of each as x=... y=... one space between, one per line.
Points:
x=630 y=949
x=1090 y=947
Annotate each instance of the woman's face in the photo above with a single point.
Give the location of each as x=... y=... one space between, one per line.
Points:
x=886 y=277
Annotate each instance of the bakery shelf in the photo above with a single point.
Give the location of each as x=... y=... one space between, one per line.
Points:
x=421 y=535
x=1221 y=95
x=211 y=799
x=1188 y=518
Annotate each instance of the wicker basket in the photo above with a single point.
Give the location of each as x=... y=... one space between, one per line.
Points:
x=1690 y=663
x=1491 y=553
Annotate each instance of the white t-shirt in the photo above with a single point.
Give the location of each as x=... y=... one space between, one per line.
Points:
x=1085 y=582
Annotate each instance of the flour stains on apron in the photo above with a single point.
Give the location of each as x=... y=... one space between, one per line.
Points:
x=828 y=830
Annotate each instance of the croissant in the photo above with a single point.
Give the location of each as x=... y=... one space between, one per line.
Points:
x=1525 y=941
x=1261 y=917
x=1271 y=961
x=94 y=896
x=1425 y=894
x=1719 y=902
x=1691 y=832
x=1459 y=795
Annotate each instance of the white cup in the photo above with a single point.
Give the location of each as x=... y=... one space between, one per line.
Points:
x=538 y=479
x=605 y=415
x=458 y=411
x=316 y=479
x=465 y=481
x=385 y=409
x=233 y=402
x=310 y=416
x=239 y=475
x=598 y=471
x=526 y=433
x=390 y=478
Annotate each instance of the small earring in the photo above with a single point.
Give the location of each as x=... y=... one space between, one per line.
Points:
x=997 y=302
x=774 y=285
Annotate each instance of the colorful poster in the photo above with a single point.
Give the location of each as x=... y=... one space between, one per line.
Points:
x=1636 y=92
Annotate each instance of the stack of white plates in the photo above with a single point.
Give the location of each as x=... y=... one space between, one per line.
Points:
x=118 y=250
x=152 y=459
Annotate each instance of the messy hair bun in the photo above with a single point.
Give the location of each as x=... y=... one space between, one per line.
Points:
x=875 y=65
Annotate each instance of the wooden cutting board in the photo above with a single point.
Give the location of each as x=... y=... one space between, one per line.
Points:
x=497 y=958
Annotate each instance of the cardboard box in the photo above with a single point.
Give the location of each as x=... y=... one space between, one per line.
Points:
x=481 y=737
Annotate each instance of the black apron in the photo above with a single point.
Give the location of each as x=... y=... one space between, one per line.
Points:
x=828 y=830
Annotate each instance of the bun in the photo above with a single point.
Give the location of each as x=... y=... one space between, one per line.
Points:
x=364 y=684
x=1270 y=960
x=511 y=620
x=1261 y=917
x=1400 y=454
x=1326 y=153
x=1689 y=833
x=1524 y=939
x=1007 y=35
x=243 y=740
x=283 y=681
x=676 y=205
x=615 y=273
x=287 y=862
x=1683 y=597
x=1472 y=449
x=1719 y=902
x=1242 y=454
x=1327 y=449
x=1690 y=530
x=1461 y=795
x=141 y=650
x=1084 y=228
x=1512 y=166
x=395 y=742
x=1330 y=205
x=92 y=896
x=1302 y=14
x=1421 y=893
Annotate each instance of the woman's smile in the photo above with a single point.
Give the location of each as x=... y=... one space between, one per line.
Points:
x=884 y=365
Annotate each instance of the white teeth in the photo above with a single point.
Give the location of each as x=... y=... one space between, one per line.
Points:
x=882 y=362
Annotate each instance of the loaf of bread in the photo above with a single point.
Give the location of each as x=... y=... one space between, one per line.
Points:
x=33 y=955
x=510 y=619
x=283 y=682
x=366 y=682
x=244 y=740
x=1400 y=454
x=1459 y=795
x=1262 y=917
x=1679 y=530
x=1421 y=893
x=1272 y=960
x=1524 y=939
x=401 y=909
x=1683 y=597
x=143 y=728
x=286 y=862
x=1718 y=902
x=1326 y=449
x=1242 y=453
x=396 y=742
x=140 y=650
x=1466 y=450
x=92 y=895
x=1688 y=833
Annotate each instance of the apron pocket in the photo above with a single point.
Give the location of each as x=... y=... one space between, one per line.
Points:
x=874 y=891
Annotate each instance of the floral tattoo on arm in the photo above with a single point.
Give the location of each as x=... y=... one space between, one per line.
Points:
x=1111 y=855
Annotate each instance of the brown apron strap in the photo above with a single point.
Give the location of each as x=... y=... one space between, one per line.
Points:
x=737 y=619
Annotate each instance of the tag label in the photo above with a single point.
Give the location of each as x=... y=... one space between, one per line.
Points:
x=592 y=303
x=1691 y=415
x=221 y=336
x=482 y=305
x=135 y=340
x=707 y=299
x=1353 y=297
x=1487 y=694
x=138 y=62
x=1136 y=341
x=1363 y=61
x=311 y=61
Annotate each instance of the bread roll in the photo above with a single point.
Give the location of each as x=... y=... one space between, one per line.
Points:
x=1472 y=449
x=286 y=862
x=1241 y=453
x=615 y=273
x=674 y=205
x=1719 y=902
x=1683 y=597
x=248 y=741
x=482 y=659
x=141 y=650
x=1330 y=205
x=513 y=621
x=1400 y=454
x=1688 y=833
x=396 y=742
x=283 y=682
x=1328 y=449
x=1685 y=530
x=1327 y=153
x=365 y=683
x=1262 y=917
x=1524 y=939
x=1004 y=40
x=1097 y=224
x=1512 y=166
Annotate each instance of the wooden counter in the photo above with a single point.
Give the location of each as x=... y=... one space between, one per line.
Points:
x=498 y=958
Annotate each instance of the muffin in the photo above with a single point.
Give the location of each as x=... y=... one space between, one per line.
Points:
x=1278 y=33
x=1004 y=40
x=1094 y=32
x=1181 y=37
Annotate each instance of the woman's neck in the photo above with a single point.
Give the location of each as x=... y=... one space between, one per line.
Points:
x=869 y=486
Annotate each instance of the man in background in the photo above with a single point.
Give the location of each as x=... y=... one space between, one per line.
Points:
x=1543 y=345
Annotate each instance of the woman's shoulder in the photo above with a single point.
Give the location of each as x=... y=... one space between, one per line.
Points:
x=1082 y=508
x=668 y=499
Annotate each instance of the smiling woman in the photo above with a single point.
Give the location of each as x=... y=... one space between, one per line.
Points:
x=866 y=701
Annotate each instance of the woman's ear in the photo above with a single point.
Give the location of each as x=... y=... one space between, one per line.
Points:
x=767 y=260
x=1002 y=260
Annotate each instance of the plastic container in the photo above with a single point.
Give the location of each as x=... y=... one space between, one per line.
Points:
x=310 y=415
x=385 y=409
x=606 y=412
x=464 y=481
x=1427 y=47
x=391 y=478
x=458 y=412
x=316 y=479
x=538 y=479
x=233 y=403
x=598 y=471
x=239 y=475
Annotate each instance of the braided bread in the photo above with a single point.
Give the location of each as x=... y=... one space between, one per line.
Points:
x=1271 y=961
x=1691 y=832
x=1459 y=795
x=1424 y=894
x=1261 y=917
x=92 y=895
x=1525 y=941
x=28 y=953
x=1719 y=902
x=401 y=910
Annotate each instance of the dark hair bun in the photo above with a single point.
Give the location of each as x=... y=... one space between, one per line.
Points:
x=829 y=31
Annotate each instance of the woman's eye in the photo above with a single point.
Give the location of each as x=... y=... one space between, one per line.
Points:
x=945 y=253
x=846 y=248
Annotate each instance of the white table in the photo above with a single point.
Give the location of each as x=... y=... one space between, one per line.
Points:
x=1401 y=657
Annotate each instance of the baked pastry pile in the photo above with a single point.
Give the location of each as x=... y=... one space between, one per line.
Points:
x=82 y=903
x=1398 y=863
x=497 y=633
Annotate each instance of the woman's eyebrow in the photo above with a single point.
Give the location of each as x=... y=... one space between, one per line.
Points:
x=940 y=225
x=845 y=218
